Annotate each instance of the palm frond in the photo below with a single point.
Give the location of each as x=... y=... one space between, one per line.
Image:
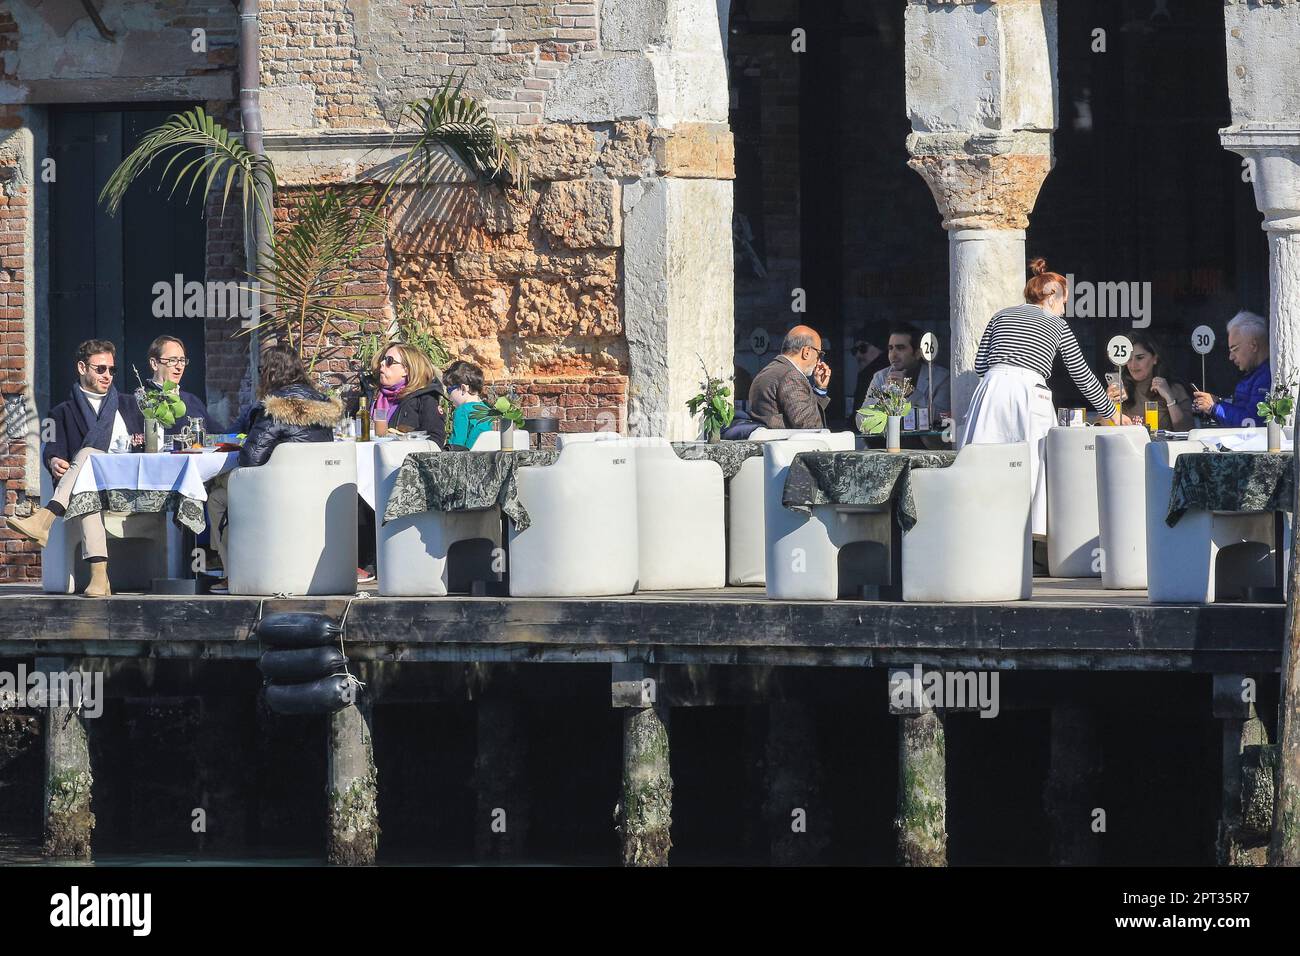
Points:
x=308 y=268
x=209 y=151
x=455 y=122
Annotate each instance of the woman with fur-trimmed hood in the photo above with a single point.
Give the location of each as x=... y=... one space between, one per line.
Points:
x=291 y=410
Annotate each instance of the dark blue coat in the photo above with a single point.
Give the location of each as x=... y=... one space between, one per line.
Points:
x=69 y=437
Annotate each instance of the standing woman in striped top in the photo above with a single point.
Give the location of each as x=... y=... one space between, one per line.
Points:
x=1013 y=402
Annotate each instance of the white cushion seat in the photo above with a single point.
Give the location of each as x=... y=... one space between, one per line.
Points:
x=746 y=546
x=414 y=553
x=803 y=550
x=1122 y=506
x=1072 y=521
x=582 y=539
x=292 y=523
x=971 y=540
x=1207 y=555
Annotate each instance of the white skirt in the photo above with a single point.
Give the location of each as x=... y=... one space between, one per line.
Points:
x=1014 y=404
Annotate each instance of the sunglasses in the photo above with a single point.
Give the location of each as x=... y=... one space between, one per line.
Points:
x=101 y=369
x=388 y=361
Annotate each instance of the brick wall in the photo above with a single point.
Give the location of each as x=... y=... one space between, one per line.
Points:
x=327 y=70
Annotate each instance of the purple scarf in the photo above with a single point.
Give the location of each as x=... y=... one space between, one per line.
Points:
x=386 y=398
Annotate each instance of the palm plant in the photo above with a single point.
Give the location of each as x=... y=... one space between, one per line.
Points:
x=302 y=273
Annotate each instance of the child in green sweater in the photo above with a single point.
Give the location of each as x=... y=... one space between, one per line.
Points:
x=464 y=382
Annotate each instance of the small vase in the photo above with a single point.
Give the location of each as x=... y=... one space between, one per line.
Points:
x=893 y=433
x=507 y=435
x=153 y=436
x=1274 y=436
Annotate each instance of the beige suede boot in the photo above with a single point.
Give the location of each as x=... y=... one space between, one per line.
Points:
x=35 y=527
x=98 y=586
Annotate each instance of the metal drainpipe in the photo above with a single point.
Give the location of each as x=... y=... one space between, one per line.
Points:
x=256 y=239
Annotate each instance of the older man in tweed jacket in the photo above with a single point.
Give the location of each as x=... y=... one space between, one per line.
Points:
x=782 y=395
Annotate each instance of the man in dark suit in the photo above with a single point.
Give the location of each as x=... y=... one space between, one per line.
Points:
x=791 y=391
x=94 y=418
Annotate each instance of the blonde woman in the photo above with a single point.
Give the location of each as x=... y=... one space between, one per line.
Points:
x=410 y=393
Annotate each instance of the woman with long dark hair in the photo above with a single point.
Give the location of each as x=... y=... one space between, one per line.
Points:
x=1145 y=381
x=290 y=410
x=1013 y=402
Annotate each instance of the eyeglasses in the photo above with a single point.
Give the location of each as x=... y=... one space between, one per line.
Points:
x=821 y=353
x=101 y=369
x=388 y=361
x=177 y=361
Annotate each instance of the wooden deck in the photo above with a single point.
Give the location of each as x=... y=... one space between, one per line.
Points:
x=1068 y=625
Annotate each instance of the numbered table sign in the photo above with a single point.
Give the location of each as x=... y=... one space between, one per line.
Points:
x=1119 y=350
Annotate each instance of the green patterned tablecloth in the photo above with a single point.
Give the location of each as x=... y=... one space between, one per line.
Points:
x=464 y=481
x=1232 y=481
x=729 y=455
x=859 y=478
x=187 y=512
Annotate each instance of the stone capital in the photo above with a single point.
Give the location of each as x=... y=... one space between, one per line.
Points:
x=1272 y=154
x=978 y=185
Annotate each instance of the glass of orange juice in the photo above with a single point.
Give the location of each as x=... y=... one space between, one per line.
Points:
x=1151 y=416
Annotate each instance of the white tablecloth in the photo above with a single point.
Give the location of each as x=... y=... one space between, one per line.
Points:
x=184 y=474
x=365 y=455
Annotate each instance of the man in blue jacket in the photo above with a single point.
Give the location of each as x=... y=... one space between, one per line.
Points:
x=1248 y=350
x=168 y=360
x=96 y=417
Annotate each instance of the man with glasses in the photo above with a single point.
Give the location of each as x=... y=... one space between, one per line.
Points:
x=791 y=391
x=168 y=361
x=1248 y=350
x=94 y=418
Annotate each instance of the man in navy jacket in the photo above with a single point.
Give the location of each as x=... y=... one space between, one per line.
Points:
x=96 y=417
x=168 y=360
x=1248 y=350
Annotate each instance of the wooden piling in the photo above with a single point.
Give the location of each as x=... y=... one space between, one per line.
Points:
x=1072 y=793
x=69 y=821
x=504 y=808
x=353 y=837
x=1247 y=776
x=921 y=823
x=645 y=807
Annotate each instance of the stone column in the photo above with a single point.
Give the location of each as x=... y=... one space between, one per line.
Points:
x=661 y=71
x=69 y=821
x=981 y=97
x=1072 y=791
x=1264 y=88
x=1246 y=809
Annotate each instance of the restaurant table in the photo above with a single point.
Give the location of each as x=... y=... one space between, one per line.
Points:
x=464 y=481
x=930 y=439
x=144 y=483
x=864 y=479
x=1260 y=481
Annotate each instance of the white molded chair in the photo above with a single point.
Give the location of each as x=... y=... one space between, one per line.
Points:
x=582 y=539
x=1122 y=505
x=1072 y=521
x=292 y=525
x=141 y=547
x=681 y=521
x=803 y=550
x=746 y=544
x=971 y=540
x=1206 y=553
x=412 y=552
x=491 y=440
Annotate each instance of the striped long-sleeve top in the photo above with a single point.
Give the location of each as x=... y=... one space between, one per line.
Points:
x=1030 y=337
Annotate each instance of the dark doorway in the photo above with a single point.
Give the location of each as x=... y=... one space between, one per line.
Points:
x=103 y=268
